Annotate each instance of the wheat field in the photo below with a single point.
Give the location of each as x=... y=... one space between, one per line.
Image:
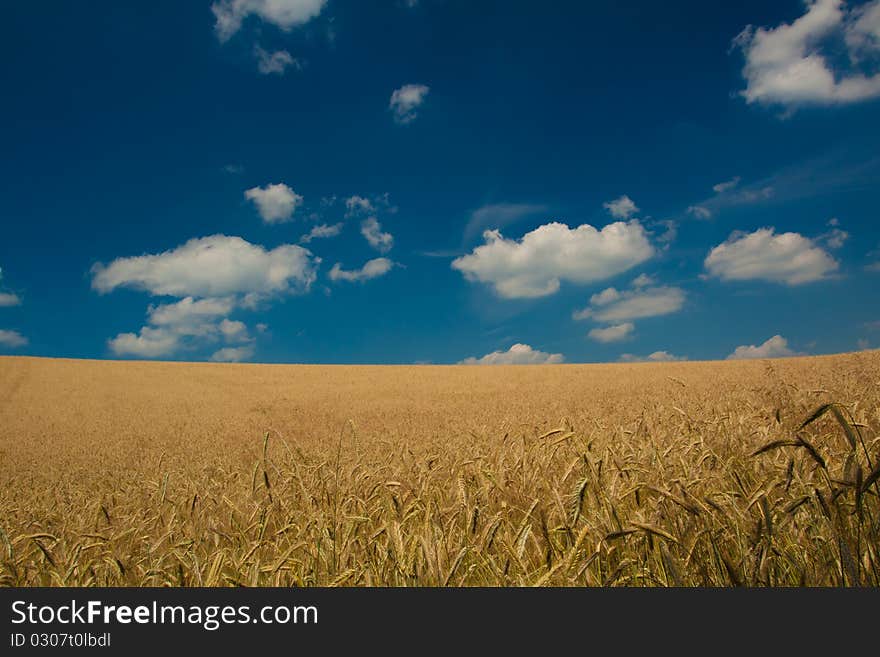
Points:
x=753 y=473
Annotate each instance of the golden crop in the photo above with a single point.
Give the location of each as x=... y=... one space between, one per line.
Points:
x=178 y=474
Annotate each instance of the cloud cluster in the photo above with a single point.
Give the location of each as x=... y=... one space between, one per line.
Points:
x=518 y=354
x=186 y=324
x=275 y=203
x=775 y=347
x=790 y=64
x=788 y=258
x=535 y=265
x=284 y=14
x=406 y=101
x=372 y=269
x=212 y=276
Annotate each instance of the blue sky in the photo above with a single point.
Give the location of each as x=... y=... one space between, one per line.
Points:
x=493 y=181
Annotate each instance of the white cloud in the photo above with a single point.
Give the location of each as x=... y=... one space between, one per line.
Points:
x=655 y=357
x=614 y=333
x=285 y=14
x=787 y=258
x=12 y=339
x=406 y=100
x=699 y=211
x=185 y=325
x=234 y=331
x=233 y=354
x=621 y=208
x=275 y=203
x=149 y=343
x=189 y=316
x=214 y=266
x=371 y=229
x=786 y=66
x=358 y=206
x=643 y=280
x=667 y=237
x=613 y=306
x=518 y=354
x=372 y=269
x=321 y=232
x=535 y=265
x=726 y=185
x=275 y=62
x=834 y=238
x=9 y=299
x=775 y=347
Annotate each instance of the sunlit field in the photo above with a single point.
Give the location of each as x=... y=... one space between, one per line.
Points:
x=750 y=473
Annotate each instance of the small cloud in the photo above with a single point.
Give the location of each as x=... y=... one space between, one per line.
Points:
x=12 y=339
x=621 y=208
x=372 y=269
x=614 y=333
x=518 y=354
x=406 y=100
x=275 y=203
x=234 y=331
x=834 y=239
x=775 y=347
x=667 y=237
x=8 y=299
x=699 y=212
x=727 y=185
x=148 y=343
x=358 y=206
x=233 y=169
x=656 y=357
x=643 y=280
x=639 y=303
x=371 y=229
x=322 y=231
x=277 y=62
x=233 y=354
